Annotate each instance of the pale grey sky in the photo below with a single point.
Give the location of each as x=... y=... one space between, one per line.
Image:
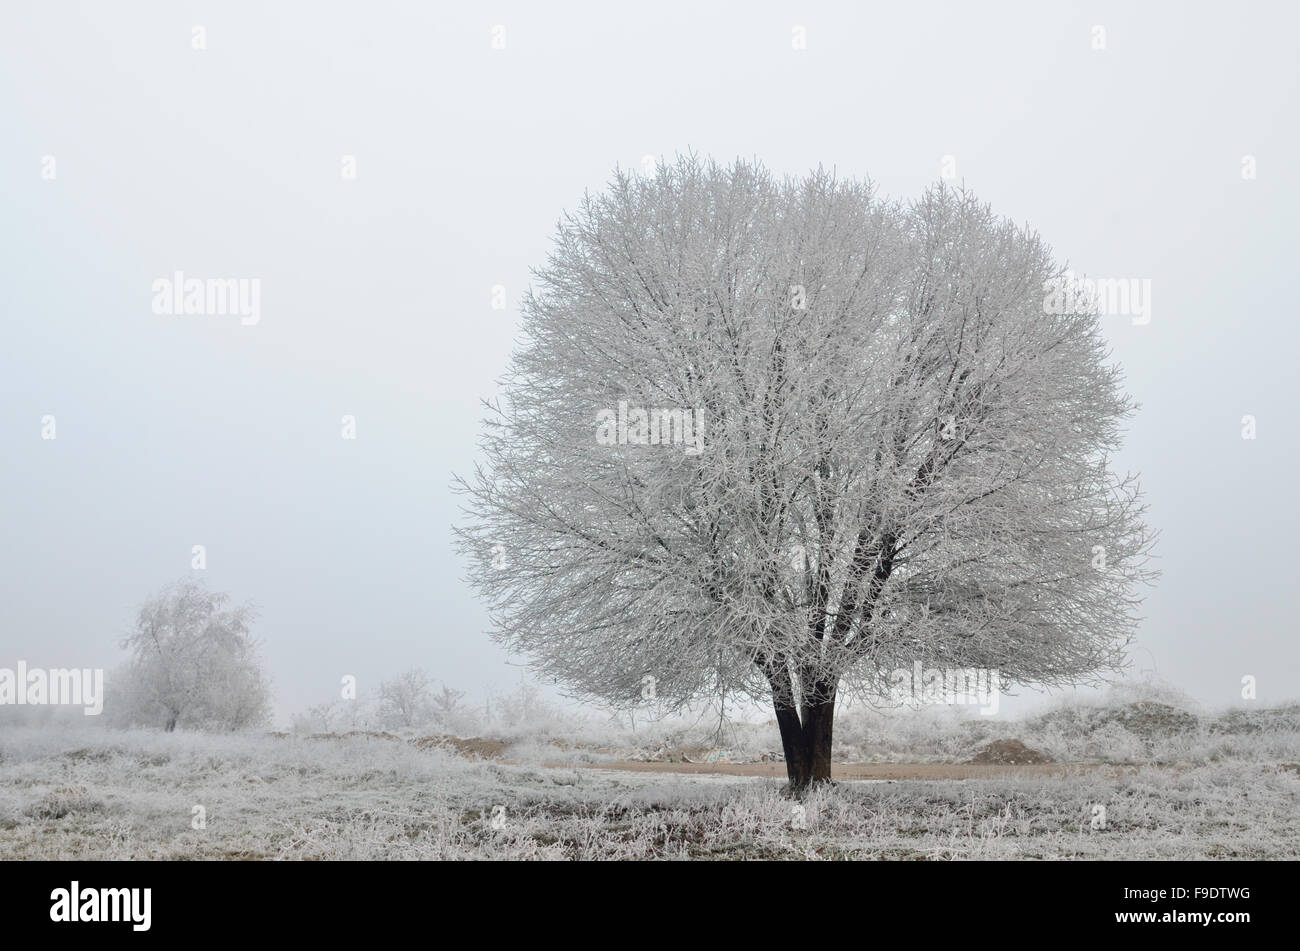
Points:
x=174 y=431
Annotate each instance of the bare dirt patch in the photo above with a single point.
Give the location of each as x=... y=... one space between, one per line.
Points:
x=853 y=771
x=473 y=747
x=1010 y=753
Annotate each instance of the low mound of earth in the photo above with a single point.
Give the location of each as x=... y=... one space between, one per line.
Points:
x=1009 y=753
x=1146 y=718
x=1268 y=720
x=474 y=747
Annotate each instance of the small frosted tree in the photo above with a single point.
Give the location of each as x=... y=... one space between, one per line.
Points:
x=446 y=707
x=193 y=663
x=897 y=454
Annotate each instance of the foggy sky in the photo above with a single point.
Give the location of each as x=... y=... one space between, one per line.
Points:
x=174 y=431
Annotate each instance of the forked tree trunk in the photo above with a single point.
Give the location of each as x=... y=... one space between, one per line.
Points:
x=806 y=738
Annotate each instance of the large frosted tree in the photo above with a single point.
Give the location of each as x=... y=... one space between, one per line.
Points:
x=892 y=452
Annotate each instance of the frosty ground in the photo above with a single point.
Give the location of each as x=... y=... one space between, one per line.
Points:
x=1128 y=779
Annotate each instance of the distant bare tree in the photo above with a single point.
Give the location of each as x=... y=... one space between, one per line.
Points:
x=404 y=701
x=319 y=718
x=445 y=705
x=904 y=457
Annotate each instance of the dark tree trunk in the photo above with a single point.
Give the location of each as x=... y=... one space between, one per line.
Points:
x=819 y=723
x=796 y=759
x=807 y=739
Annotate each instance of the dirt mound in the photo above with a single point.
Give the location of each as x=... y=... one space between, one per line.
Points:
x=1011 y=753
x=476 y=747
x=1146 y=718
x=695 y=753
x=1268 y=720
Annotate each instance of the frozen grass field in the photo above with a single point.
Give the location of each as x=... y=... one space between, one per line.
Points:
x=1174 y=784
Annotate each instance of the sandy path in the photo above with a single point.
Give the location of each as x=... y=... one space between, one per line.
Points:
x=848 y=771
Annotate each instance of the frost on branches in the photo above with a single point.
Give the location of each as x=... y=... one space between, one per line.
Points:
x=194 y=663
x=901 y=456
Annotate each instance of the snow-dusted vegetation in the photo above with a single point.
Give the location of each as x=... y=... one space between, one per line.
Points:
x=1141 y=775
